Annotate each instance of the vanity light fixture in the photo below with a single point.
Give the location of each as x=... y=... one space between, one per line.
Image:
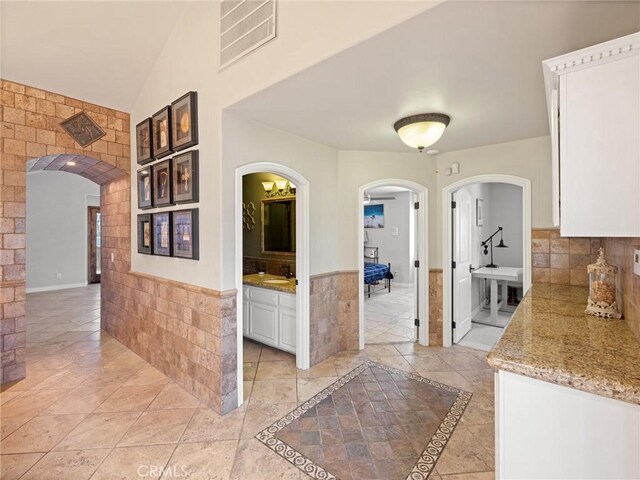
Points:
x=282 y=188
x=422 y=130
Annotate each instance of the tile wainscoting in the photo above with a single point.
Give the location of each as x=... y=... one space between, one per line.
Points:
x=435 y=307
x=187 y=332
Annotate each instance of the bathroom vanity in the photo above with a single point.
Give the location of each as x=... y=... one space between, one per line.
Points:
x=567 y=391
x=269 y=310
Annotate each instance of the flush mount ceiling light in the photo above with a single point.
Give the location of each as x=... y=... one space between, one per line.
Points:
x=422 y=130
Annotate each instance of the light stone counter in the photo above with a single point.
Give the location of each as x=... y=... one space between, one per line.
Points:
x=550 y=338
x=262 y=281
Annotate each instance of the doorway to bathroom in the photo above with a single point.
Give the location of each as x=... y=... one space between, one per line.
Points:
x=486 y=253
x=271 y=274
x=392 y=244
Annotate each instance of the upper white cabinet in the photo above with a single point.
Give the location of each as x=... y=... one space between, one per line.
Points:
x=593 y=97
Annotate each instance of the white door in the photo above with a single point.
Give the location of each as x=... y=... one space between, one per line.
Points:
x=461 y=274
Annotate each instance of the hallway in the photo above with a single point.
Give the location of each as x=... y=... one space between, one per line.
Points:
x=91 y=408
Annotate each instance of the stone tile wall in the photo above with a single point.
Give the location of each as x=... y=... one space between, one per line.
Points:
x=561 y=261
x=435 y=307
x=272 y=266
x=619 y=251
x=29 y=129
x=349 y=310
x=187 y=332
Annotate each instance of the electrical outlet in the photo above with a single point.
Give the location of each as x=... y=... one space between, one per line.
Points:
x=455 y=168
x=636 y=261
x=58 y=276
x=395 y=232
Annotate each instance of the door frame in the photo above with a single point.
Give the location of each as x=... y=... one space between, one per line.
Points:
x=92 y=277
x=447 y=254
x=422 y=194
x=302 y=262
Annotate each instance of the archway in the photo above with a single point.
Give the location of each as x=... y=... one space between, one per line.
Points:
x=447 y=251
x=423 y=253
x=303 y=356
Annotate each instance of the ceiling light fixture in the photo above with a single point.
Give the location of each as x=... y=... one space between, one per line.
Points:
x=283 y=188
x=422 y=130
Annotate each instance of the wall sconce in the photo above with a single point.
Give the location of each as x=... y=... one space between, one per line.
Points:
x=282 y=188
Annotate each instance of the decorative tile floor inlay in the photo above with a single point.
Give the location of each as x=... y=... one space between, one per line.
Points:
x=376 y=422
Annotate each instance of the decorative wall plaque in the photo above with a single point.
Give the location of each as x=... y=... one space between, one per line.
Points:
x=83 y=129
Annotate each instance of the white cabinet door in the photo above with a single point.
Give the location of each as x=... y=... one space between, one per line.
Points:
x=245 y=317
x=600 y=149
x=287 y=330
x=263 y=323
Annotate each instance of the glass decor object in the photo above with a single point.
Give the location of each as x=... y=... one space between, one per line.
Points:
x=603 y=289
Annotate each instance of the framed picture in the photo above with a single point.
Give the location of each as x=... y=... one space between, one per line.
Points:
x=374 y=216
x=162 y=184
x=144 y=148
x=185 y=234
x=185 y=177
x=479 y=212
x=184 y=114
x=145 y=234
x=161 y=230
x=161 y=133
x=145 y=188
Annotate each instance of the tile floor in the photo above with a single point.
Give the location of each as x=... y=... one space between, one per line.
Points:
x=389 y=316
x=91 y=408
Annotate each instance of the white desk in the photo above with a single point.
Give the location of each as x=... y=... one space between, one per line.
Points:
x=502 y=275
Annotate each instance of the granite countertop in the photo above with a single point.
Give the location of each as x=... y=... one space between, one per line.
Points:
x=550 y=338
x=256 y=280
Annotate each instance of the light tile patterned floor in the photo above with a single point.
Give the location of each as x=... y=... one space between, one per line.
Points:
x=389 y=316
x=91 y=408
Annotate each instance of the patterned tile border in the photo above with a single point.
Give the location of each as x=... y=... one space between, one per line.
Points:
x=425 y=464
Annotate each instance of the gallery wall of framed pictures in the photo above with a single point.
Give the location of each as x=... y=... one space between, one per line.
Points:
x=164 y=182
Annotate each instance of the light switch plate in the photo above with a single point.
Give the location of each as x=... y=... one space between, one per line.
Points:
x=394 y=231
x=636 y=261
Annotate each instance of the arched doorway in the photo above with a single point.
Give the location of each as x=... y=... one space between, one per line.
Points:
x=422 y=238
x=302 y=261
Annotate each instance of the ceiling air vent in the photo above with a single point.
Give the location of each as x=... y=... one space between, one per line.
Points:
x=244 y=26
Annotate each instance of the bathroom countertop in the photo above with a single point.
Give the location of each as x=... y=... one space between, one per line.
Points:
x=256 y=280
x=550 y=338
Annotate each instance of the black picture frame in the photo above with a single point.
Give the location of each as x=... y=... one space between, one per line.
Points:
x=185 y=181
x=185 y=234
x=145 y=234
x=161 y=133
x=144 y=146
x=162 y=179
x=184 y=115
x=162 y=234
x=145 y=188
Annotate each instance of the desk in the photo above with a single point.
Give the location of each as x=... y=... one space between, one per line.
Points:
x=502 y=275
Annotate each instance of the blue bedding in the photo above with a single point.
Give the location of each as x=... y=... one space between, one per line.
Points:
x=374 y=272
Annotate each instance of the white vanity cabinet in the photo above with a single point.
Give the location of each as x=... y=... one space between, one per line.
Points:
x=269 y=317
x=594 y=113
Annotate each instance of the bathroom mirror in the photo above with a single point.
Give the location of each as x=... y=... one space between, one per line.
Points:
x=279 y=226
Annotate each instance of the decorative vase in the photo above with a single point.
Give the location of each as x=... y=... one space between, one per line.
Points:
x=604 y=291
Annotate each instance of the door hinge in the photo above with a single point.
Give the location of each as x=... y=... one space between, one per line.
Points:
x=453 y=264
x=416 y=205
x=453 y=204
x=453 y=324
x=296 y=282
x=416 y=322
x=416 y=263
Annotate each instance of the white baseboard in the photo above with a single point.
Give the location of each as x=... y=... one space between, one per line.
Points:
x=476 y=311
x=403 y=285
x=56 y=287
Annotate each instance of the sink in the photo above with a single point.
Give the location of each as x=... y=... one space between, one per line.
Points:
x=276 y=281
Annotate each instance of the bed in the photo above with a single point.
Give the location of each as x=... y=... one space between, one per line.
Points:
x=377 y=276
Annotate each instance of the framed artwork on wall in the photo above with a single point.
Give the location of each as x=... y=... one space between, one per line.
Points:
x=161 y=230
x=184 y=114
x=145 y=188
x=161 y=133
x=162 y=184
x=185 y=177
x=144 y=148
x=185 y=234
x=145 y=234
x=479 y=212
x=374 y=216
